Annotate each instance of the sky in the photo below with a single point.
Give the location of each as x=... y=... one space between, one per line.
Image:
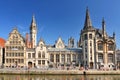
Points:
x=58 y=18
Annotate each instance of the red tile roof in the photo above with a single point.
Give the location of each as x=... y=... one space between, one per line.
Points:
x=2 y=42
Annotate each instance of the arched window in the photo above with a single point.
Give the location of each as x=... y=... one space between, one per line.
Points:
x=43 y=55
x=90 y=36
x=39 y=54
x=51 y=57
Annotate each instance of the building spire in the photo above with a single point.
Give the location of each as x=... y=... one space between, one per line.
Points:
x=87 y=23
x=103 y=28
x=33 y=19
x=33 y=33
x=33 y=23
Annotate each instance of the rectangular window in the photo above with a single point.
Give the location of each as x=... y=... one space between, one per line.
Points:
x=86 y=56
x=12 y=61
x=91 y=58
x=33 y=55
x=86 y=63
x=63 y=58
x=110 y=58
x=68 y=58
x=100 y=57
x=86 y=50
x=91 y=43
x=6 y=60
x=19 y=61
x=19 y=54
x=22 y=54
x=85 y=43
x=74 y=57
x=22 y=60
x=51 y=57
x=91 y=50
x=29 y=55
x=85 y=37
x=39 y=62
x=12 y=54
x=57 y=58
x=43 y=62
x=6 y=54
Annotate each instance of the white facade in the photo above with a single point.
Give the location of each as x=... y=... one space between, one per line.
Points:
x=30 y=58
x=42 y=56
x=61 y=56
x=98 y=47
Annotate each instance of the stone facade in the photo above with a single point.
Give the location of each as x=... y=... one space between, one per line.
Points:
x=94 y=50
x=25 y=52
x=15 y=50
x=60 y=56
x=42 y=55
x=97 y=47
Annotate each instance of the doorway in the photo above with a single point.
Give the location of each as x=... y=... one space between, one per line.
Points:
x=29 y=64
x=91 y=65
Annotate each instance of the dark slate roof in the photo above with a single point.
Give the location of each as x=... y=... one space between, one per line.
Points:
x=66 y=49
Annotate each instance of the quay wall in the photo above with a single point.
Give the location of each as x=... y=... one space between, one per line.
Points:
x=58 y=72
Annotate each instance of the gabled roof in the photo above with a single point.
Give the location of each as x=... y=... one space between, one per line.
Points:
x=59 y=43
x=16 y=33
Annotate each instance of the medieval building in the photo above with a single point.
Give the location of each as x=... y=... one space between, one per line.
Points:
x=97 y=47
